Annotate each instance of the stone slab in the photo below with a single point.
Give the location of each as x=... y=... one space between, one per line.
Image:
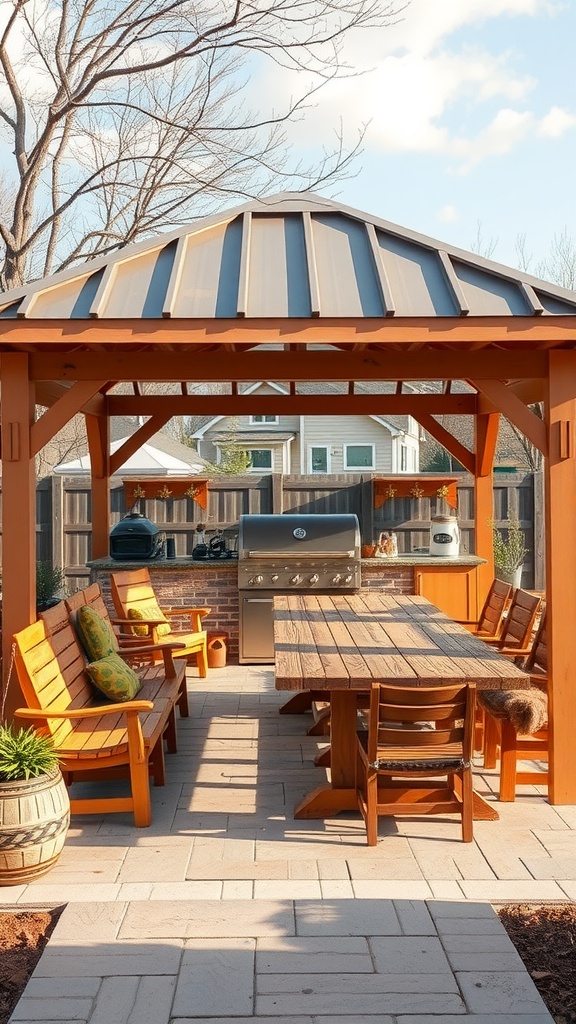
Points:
x=216 y=978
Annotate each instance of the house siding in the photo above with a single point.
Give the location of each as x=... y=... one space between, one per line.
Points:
x=336 y=431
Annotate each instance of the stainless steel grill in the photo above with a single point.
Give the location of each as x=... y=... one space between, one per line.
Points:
x=287 y=554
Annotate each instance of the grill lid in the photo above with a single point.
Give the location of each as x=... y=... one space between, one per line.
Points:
x=299 y=536
x=134 y=524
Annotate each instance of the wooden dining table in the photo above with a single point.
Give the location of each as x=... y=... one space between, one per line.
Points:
x=341 y=643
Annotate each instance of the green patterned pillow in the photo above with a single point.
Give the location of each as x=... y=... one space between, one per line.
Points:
x=96 y=634
x=114 y=678
x=149 y=611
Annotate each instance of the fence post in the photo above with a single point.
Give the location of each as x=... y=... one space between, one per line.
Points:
x=277 y=493
x=367 y=509
x=57 y=498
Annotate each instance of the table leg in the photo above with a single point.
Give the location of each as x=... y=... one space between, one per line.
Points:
x=340 y=795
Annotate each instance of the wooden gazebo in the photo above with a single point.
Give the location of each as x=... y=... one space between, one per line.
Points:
x=296 y=288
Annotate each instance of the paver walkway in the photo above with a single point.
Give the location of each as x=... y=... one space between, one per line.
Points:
x=228 y=909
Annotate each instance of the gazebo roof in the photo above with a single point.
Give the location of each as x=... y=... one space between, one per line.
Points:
x=289 y=256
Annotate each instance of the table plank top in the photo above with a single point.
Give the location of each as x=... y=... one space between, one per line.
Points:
x=347 y=641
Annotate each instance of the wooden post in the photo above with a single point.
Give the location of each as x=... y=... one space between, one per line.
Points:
x=560 y=503
x=485 y=439
x=98 y=433
x=18 y=513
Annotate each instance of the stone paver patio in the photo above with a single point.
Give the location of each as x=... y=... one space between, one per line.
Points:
x=229 y=909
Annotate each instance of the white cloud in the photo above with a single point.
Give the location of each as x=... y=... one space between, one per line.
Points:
x=506 y=130
x=448 y=214
x=556 y=123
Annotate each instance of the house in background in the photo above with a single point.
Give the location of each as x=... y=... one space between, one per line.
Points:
x=315 y=444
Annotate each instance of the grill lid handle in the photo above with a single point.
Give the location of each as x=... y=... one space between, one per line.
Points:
x=296 y=553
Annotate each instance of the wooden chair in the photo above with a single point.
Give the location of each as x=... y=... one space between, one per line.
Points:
x=515 y=642
x=390 y=753
x=491 y=621
x=517 y=723
x=132 y=589
x=516 y=637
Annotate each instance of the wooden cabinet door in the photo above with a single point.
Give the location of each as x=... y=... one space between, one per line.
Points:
x=451 y=588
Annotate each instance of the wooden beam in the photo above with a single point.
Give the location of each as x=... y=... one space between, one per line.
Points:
x=529 y=391
x=133 y=443
x=485 y=441
x=98 y=433
x=18 y=513
x=447 y=440
x=59 y=414
x=370 y=364
x=514 y=331
x=515 y=410
x=277 y=405
x=48 y=392
x=560 y=503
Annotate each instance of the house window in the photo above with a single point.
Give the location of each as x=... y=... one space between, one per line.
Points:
x=263 y=419
x=403 y=458
x=358 y=456
x=319 y=459
x=261 y=458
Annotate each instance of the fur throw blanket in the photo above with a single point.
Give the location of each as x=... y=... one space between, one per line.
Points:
x=526 y=709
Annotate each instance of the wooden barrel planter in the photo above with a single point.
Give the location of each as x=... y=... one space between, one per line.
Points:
x=34 y=820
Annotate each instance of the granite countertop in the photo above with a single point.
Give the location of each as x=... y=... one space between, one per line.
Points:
x=213 y=563
x=417 y=558
x=185 y=562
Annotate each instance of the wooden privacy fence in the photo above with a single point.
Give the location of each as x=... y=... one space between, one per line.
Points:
x=64 y=513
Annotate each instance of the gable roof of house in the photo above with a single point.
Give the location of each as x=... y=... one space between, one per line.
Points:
x=394 y=424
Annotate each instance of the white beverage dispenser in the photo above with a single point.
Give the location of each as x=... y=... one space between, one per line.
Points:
x=444 y=537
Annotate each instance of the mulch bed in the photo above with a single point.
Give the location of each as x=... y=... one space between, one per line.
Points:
x=545 y=937
x=22 y=939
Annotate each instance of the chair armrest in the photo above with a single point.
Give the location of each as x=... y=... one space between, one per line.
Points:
x=171 y=645
x=196 y=614
x=188 y=611
x=515 y=652
x=129 y=706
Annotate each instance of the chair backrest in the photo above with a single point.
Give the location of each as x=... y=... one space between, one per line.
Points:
x=520 y=619
x=393 y=709
x=537 y=660
x=91 y=596
x=131 y=588
x=51 y=668
x=491 y=619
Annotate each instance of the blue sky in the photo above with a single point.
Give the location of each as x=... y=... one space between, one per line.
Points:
x=472 y=109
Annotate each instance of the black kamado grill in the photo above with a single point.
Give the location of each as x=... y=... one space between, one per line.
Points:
x=136 y=537
x=284 y=554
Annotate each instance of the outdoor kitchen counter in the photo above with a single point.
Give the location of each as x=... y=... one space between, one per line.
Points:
x=450 y=583
x=186 y=583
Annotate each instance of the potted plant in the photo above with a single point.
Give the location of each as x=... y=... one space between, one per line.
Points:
x=34 y=805
x=509 y=551
x=50 y=584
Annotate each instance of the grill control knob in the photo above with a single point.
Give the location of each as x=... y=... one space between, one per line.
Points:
x=274 y=578
x=348 y=579
x=337 y=578
x=295 y=579
x=314 y=578
x=256 y=580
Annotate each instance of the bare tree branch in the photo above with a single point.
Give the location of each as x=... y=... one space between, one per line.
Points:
x=126 y=116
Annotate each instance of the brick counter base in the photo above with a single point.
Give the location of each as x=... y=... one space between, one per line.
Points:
x=216 y=587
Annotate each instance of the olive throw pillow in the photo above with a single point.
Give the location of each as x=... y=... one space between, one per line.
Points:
x=114 y=678
x=96 y=634
x=149 y=611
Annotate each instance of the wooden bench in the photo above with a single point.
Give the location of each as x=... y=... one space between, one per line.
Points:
x=95 y=739
x=145 y=647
